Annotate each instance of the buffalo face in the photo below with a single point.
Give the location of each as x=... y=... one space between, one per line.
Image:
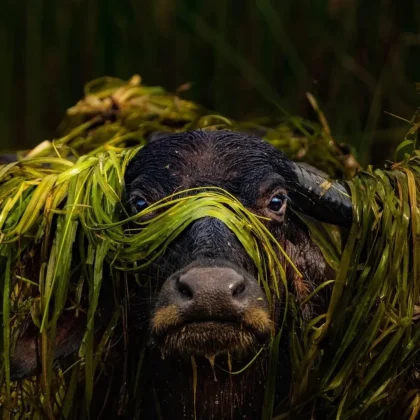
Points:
x=208 y=299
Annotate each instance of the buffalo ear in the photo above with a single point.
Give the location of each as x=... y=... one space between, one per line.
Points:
x=8 y=158
x=25 y=357
x=156 y=135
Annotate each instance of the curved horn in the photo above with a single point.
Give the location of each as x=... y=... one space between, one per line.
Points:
x=314 y=195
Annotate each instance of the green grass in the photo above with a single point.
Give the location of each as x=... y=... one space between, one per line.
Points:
x=62 y=205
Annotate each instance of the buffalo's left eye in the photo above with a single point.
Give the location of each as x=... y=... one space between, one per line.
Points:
x=276 y=203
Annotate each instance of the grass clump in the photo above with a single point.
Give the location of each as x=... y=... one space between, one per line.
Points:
x=116 y=114
x=63 y=224
x=359 y=359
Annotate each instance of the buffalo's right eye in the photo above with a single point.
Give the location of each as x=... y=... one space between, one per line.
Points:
x=140 y=204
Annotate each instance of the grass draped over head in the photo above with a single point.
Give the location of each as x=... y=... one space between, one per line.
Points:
x=62 y=205
x=66 y=203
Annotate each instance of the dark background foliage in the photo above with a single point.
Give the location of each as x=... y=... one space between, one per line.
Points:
x=244 y=58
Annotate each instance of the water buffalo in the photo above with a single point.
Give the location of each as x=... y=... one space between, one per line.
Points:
x=207 y=314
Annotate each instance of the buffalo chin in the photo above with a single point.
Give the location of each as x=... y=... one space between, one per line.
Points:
x=210 y=338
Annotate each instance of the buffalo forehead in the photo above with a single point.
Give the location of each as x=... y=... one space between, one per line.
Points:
x=236 y=164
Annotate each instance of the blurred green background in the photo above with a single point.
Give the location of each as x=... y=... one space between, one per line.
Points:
x=244 y=58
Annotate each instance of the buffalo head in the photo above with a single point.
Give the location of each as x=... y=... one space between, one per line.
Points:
x=204 y=302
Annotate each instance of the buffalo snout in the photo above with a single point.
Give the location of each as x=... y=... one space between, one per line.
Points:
x=219 y=301
x=213 y=293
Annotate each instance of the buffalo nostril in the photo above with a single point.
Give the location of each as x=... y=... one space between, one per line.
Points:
x=201 y=285
x=237 y=288
x=184 y=289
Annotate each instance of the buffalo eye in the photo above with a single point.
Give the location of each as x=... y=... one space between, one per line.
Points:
x=140 y=204
x=276 y=203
